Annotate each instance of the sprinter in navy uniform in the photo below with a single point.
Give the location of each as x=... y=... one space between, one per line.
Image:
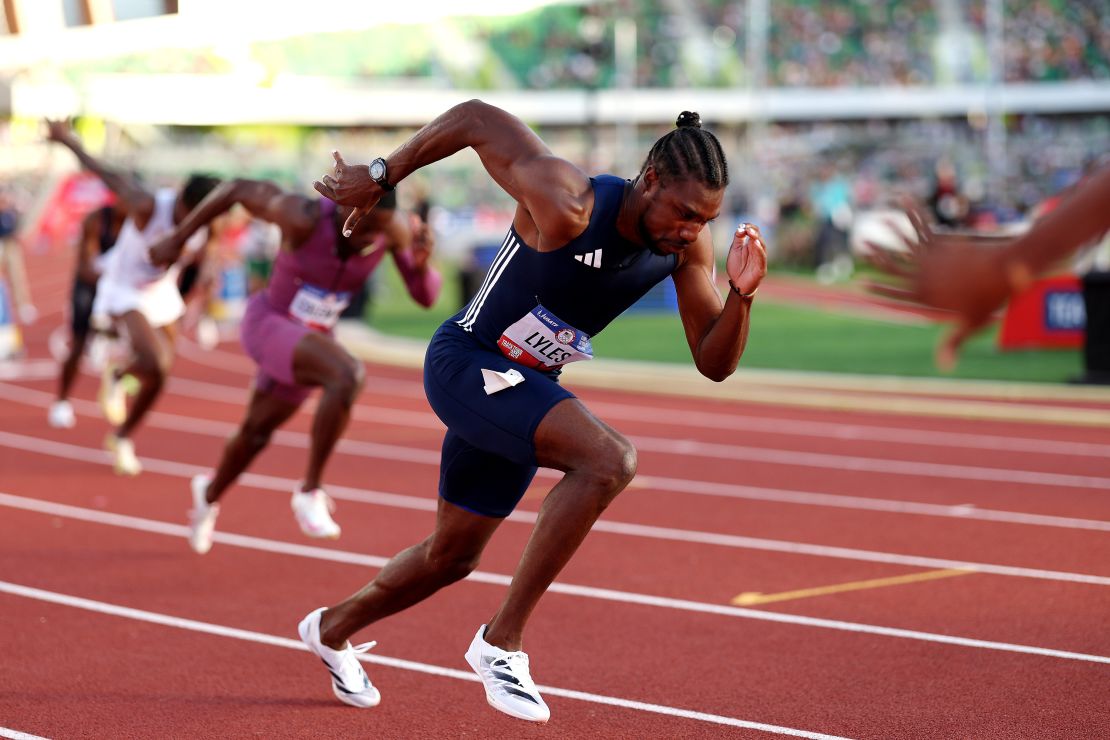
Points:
x=580 y=251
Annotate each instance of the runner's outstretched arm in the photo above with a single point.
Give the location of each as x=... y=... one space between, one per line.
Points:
x=554 y=197
x=295 y=214
x=138 y=202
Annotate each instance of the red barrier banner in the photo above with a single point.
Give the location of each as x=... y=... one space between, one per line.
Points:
x=1049 y=315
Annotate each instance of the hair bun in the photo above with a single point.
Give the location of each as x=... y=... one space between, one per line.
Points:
x=688 y=118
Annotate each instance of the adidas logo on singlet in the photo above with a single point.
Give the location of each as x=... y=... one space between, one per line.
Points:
x=592 y=259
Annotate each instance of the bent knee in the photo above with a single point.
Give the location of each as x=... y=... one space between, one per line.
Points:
x=614 y=466
x=346 y=380
x=256 y=438
x=452 y=565
x=150 y=367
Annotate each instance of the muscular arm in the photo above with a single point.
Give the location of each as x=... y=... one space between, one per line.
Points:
x=138 y=202
x=294 y=214
x=409 y=241
x=553 y=196
x=1077 y=220
x=717 y=334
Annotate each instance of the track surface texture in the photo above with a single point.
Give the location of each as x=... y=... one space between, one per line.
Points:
x=807 y=556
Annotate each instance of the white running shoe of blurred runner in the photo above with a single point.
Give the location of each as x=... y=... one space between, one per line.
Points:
x=202 y=517
x=349 y=681
x=112 y=396
x=123 y=454
x=61 y=415
x=208 y=333
x=508 y=685
x=312 y=510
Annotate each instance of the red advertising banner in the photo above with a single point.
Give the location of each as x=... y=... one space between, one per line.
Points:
x=1049 y=315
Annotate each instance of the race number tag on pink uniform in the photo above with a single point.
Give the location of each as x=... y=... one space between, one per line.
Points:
x=540 y=340
x=317 y=308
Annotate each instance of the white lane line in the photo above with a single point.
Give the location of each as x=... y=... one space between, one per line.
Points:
x=27 y=370
x=848 y=432
x=604 y=594
x=17 y=735
x=383 y=498
x=787 y=458
x=208 y=628
x=299 y=440
x=894 y=506
x=699 y=420
x=855 y=464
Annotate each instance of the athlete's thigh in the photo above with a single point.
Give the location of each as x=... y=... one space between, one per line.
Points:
x=270 y=339
x=570 y=434
x=480 y=481
x=318 y=358
x=502 y=423
x=81 y=306
x=145 y=340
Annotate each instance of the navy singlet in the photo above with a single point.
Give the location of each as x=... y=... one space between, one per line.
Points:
x=488 y=457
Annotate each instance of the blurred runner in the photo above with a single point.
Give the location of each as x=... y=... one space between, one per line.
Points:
x=11 y=260
x=142 y=299
x=99 y=231
x=287 y=331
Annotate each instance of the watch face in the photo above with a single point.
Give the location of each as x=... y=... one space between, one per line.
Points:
x=377 y=169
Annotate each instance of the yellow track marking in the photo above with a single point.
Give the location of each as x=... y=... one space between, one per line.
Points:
x=752 y=598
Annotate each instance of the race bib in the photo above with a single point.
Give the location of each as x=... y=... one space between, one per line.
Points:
x=540 y=340
x=317 y=308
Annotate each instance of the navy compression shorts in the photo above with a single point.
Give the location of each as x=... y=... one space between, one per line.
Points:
x=488 y=457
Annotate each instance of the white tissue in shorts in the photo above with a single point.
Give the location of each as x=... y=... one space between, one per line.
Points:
x=496 y=381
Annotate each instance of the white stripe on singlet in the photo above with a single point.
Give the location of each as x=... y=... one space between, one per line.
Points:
x=501 y=252
x=500 y=262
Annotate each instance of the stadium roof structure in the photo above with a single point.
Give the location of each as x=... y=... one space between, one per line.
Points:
x=208 y=23
x=201 y=67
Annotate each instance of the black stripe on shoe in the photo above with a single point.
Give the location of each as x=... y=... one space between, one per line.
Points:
x=521 y=694
x=506 y=677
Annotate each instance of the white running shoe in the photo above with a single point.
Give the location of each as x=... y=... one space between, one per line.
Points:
x=61 y=415
x=112 y=396
x=208 y=333
x=504 y=674
x=312 y=510
x=349 y=681
x=123 y=452
x=202 y=517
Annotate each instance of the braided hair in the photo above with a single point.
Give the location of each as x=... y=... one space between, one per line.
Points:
x=689 y=151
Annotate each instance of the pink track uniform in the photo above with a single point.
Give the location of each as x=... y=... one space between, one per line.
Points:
x=308 y=290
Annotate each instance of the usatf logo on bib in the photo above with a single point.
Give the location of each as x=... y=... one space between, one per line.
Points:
x=542 y=341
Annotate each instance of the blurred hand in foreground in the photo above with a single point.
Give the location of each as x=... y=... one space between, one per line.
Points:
x=969 y=276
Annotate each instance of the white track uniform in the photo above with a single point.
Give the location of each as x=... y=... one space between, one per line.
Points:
x=130 y=282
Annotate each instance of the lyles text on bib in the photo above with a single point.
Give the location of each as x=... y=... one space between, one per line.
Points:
x=542 y=341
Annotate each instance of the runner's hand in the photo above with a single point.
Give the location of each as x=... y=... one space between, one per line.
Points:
x=58 y=131
x=350 y=185
x=746 y=264
x=951 y=273
x=165 y=252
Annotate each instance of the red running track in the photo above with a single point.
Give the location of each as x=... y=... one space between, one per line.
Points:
x=921 y=577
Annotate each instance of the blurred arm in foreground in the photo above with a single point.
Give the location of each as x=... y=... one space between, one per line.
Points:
x=961 y=274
